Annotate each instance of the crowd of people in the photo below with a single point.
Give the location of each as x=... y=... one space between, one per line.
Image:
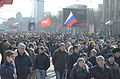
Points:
x=26 y=55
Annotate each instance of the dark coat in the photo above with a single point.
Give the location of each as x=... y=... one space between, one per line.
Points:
x=72 y=60
x=79 y=73
x=60 y=59
x=115 y=70
x=23 y=64
x=99 y=73
x=42 y=61
x=92 y=60
x=117 y=60
x=7 y=71
x=89 y=64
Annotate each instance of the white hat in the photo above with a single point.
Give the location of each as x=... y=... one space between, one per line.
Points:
x=21 y=45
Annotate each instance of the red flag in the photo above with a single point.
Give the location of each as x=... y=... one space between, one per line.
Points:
x=8 y=1
x=1 y=2
x=46 y=22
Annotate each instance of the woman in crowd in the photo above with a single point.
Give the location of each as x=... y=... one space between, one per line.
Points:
x=8 y=70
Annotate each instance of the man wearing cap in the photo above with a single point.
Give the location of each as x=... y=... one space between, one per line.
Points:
x=115 y=70
x=22 y=62
x=100 y=71
x=60 y=58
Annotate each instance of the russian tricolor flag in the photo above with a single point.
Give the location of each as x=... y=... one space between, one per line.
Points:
x=110 y=23
x=71 y=20
x=16 y=25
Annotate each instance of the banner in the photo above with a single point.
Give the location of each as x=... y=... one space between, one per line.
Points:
x=46 y=22
x=91 y=28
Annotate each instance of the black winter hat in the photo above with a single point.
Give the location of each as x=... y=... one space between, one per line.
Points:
x=110 y=55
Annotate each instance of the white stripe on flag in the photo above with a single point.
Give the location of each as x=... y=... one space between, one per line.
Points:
x=70 y=15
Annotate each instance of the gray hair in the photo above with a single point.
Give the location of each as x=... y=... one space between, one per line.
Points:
x=21 y=45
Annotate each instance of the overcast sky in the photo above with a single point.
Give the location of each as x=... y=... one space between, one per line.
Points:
x=26 y=6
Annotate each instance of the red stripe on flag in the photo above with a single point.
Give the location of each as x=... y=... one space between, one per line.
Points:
x=15 y=26
x=72 y=22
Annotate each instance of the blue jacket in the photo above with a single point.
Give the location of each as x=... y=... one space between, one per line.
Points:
x=7 y=71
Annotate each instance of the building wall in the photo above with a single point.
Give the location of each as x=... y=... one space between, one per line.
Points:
x=38 y=8
x=111 y=11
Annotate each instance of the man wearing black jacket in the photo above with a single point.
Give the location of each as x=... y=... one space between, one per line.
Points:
x=42 y=63
x=22 y=62
x=72 y=59
x=60 y=59
x=100 y=71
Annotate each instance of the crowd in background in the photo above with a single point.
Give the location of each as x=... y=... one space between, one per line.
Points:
x=26 y=55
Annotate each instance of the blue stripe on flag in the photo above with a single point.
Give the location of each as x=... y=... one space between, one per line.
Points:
x=70 y=20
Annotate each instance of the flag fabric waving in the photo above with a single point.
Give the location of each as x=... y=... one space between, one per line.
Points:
x=16 y=25
x=8 y=1
x=46 y=22
x=71 y=20
x=110 y=23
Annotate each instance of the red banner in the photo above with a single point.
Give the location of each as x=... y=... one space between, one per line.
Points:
x=1 y=2
x=8 y=1
x=46 y=22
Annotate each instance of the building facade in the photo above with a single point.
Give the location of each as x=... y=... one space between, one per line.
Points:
x=111 y=11
x=38 y=8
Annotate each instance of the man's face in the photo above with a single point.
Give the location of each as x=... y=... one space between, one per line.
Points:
x=117 y=54
x=41 y=51
x=21 y=50
x=111 y=59
x=101 y=62
x=62 y=48
x=76 y=50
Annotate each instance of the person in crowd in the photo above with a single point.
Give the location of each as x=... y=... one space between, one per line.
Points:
x=80 y=49
x=22 y=62
x=100 y=71
x=85 y=47
x=12 y=46
x=38 y=46
x=7 y=71
x=3 y=47
x=72 y=59
x=42 y=63
x=46 y=49
x=107 y=49
x=0 y=59
x=80 y=70
x=54 y=47
x=85 y=57
x=60 y=60
x=32 y=54
x=30 y=45
x=116 y=53
x=115 y=70
x=92 y=58
x=70 y=50
x=91 y=45
x=68 y=44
